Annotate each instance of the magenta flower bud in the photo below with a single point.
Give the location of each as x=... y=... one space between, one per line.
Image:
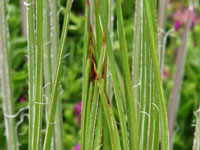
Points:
x=181 y=16
x=164 y=73
x=77 y=147
x=22 y=99
x=77 y=111
x=177 y=25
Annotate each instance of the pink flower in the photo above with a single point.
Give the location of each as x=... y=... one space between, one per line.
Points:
x=164 y=73
x=181 y=17
x=77 y=147
x=22 y=99
x=177 y=25
x=77 y=111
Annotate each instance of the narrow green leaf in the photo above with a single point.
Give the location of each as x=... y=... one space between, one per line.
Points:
x=59 y=140
x=39 y=76
x=112 y=62
x=151 y=21
x=86 y=72
x=6 y=87
x=154 y=116
x=31 y=65
x=56 y=84
x=145 y=94
x=132 y=118
x=137 y=50
x=98 y=130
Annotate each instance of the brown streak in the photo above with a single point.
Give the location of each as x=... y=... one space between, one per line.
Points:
x=108 y=101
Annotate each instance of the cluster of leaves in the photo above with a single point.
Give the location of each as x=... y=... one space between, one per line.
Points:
x=72 y=73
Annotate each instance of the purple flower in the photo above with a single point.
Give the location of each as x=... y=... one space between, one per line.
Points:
x=22 y=99
x=181 y=17
x=77 y=111
x=164 y=73
x=177 y=25
x=77 y=147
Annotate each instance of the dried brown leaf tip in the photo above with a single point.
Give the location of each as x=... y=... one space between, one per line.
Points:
x=108 y=101
x=87 y=3
x=90 y=42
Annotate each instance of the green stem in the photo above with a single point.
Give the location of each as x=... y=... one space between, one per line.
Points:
x=47 y=61
x=59 y=143
x=162 y=15
x=132 y=118
x=112 y=62
x=86 y=73
x=145 y=95
x=137 y=46
x=175 y=94
x=39 y=76
x=56 y=84
x=31 y=66
x=98 y=130
x=154 y=116
x=151 y=22
x=9 y=121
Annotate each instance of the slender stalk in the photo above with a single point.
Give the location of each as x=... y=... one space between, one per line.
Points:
x=105 y=137
x=112 y=62
x=154 y=116
x=39 y=76
x=145 y=95
x=132 y=118
x=88 y=111
x=47 y=53
x=59 y=143
x=175 y=94
x=24 y=19
x=9 y=121
x=98 y=130
x=95 y=102
x=47 y=61
x=86 y=72
x=112 y=126
x=152 y=31
x=137 y=46
x=31 y=65
x=196 y=142
x=55 y=92
x=162 y=15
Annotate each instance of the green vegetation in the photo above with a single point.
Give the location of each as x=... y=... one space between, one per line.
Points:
x=99 y=74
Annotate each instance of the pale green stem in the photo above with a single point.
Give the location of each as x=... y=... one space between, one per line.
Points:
x=145 y=95
x=86 y=73
x=175 y=94
x=137 y=46
x=31 y=66
x=57 y=77
x=196 y=141
x=152 y=32
x=6 y=87
x=59 y=143
x=154 y=116
x=39 y=77
x=162 y=17
x=47 y=62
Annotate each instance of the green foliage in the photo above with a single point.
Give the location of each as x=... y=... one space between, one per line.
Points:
x=108 y=93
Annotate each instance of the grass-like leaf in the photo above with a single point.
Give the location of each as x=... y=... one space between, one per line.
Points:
x=5 y=67
x=39 y=76
x=55 y=93
x=150 y=16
